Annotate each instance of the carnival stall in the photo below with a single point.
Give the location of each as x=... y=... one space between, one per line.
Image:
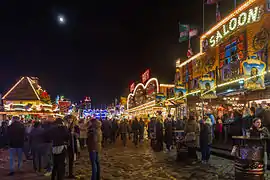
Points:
x=148 y=97
x=27 y=100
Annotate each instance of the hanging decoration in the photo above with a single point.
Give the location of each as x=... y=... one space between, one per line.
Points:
x=254 y=70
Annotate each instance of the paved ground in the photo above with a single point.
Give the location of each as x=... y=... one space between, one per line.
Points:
x=119 y=163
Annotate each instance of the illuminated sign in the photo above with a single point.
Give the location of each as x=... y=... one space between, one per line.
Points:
x=145 y=76
x=247 y=17
x=132 y=87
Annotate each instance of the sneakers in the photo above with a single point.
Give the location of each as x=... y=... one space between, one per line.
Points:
x=47 y=174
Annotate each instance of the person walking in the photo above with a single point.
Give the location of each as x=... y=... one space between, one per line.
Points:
x=168 y=125
x=59 y=136
x=191 y=134
x=124 y=130
x=16 y=135
x=83 y=133
x=106 y=131
x=205 y=138
x=114 y=131
x=135 y=131
x=94 y=140
x=36 y=142
x=141 y=130
x=159 y=133
x=71 y=148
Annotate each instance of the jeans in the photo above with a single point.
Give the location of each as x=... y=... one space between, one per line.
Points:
x=47 y=154
x=12 y=152
x=37 y=159
x=70 y=161
x=135 y=138
x=58 y=166
x=94 y=158
x=205 y=150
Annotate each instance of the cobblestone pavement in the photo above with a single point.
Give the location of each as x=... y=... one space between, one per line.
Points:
x=119 y=163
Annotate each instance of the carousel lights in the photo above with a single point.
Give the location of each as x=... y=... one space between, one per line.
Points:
x=144 y=87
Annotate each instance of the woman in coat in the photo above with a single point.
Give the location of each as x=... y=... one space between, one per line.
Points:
x=191 y=134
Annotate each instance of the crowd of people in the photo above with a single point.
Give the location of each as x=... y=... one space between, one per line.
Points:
x=54 y=144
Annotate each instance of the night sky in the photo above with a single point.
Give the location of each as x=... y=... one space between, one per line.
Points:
x=103 y=47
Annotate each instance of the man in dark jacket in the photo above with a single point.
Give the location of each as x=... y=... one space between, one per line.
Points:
x=124 y=130
x=59 y=136
x=16 y=134
x=135 y=129
x=168 y=132
x=106 y=131
x=36 y=145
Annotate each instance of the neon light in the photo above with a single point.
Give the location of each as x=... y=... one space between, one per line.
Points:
x=33 y=87
x=225 y=20
x=144 y=87
x=167 y=85
x=253 y=15
x=13 y=88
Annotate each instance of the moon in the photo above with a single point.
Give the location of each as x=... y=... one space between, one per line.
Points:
x=61 y=19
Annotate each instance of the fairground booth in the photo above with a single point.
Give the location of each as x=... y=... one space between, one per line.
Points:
x=27 y=100
x=231 y=70
x=148 y=97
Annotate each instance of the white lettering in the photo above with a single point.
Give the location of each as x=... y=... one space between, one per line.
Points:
x=212 y=41
x=253 y=15
x=219 y=36
x=225 y=30
x=233 y=24
x=242 y=19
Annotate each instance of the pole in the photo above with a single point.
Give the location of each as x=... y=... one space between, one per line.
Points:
x=203 y=16
x=235 y=4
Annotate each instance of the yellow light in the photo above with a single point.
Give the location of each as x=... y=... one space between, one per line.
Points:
x=13 y=88
x=33 y=87
x=190 y=59
x=225 y=20
x=167 y=85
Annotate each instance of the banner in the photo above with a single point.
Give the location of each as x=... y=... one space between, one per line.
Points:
x=179 y=93
x=207 y=87
x=254 y=70
x=160 y=99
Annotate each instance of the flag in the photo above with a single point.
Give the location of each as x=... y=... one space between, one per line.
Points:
x=193 y=32
x=218 y=16
x=210 y=1
x=189 y=52
x=183 y=32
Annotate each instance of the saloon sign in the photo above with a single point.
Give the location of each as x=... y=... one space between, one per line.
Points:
x=249 y=16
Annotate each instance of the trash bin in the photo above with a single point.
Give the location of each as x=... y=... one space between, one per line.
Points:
x=249 y=158
x=249 y=163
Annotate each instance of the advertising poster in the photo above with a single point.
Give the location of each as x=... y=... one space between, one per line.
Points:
x=179 y=92
x=160 y=99
x=207 y=87
x=254 y=69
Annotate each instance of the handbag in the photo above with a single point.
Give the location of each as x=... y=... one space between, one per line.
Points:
x=190 y=137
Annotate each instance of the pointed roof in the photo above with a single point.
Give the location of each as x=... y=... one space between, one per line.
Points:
x=23 y=90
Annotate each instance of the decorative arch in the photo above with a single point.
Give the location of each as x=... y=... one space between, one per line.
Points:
x=144 y=87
